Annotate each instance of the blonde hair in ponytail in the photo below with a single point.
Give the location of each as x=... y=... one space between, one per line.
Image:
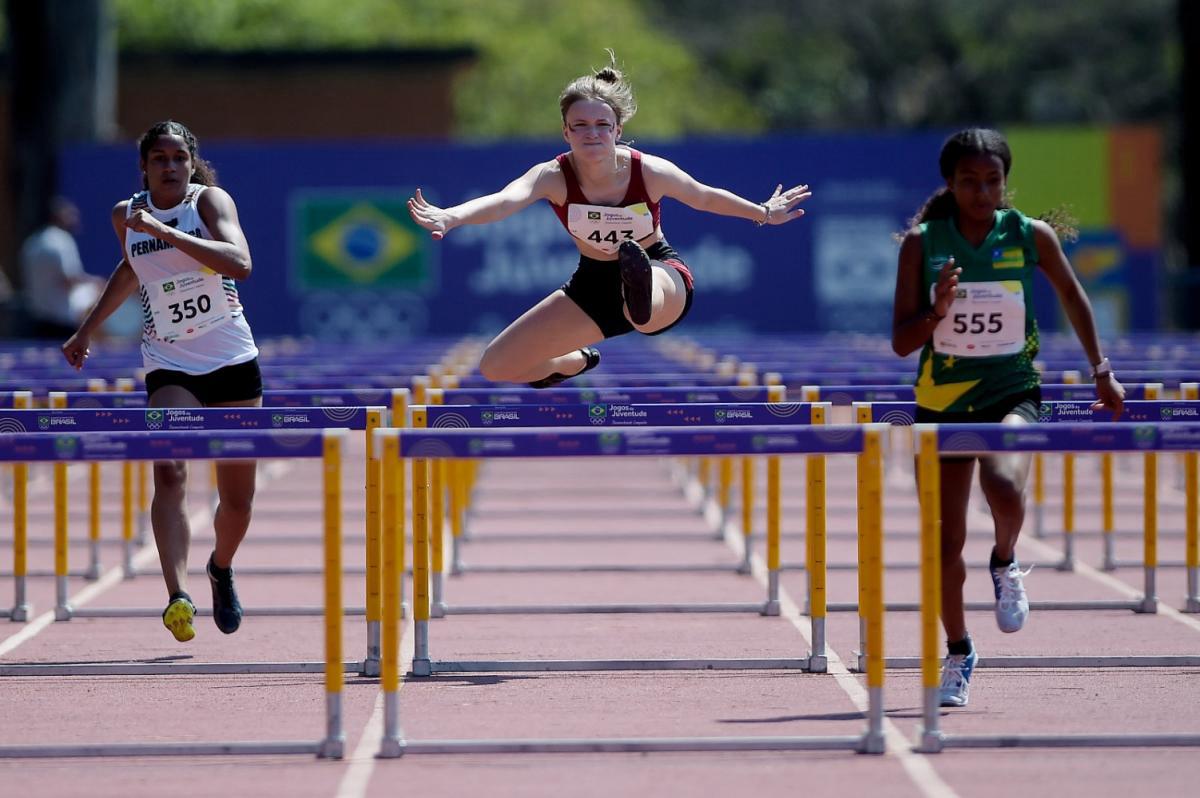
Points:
x=606 y=85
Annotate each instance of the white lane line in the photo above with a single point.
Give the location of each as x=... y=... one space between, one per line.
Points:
x=919 y=768
x=1048 y=552
x=113 y=576
x=357 y=778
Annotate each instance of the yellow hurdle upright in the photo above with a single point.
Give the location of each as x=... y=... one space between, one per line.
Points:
x=1106 y=510
x=1067 y=563
x=374 y=530
x=22 y=400
x=393 y=575
x=93 y=570
x=333 y=746
x=930 y=493
x=772 y=606
x=1150 y=519
x=1192 y=559
x=128 y=499
x=816 y=546
x=420 y=547
x=871 y=576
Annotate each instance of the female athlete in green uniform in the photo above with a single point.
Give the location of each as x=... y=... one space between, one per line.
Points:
x=963 y=297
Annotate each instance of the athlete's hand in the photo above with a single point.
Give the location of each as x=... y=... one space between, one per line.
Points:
x=1111 y=395
x=141 y=222
x=434 y=219
x=75 y=350
x=781 y=207
x=946 y=288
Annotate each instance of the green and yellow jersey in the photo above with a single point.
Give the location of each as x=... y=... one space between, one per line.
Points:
x=983 y=350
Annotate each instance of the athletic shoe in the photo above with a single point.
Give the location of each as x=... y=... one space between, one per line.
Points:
x=637 y=277
x=955 y=689
x=1012 y=605
x=178 y=617
x=227 y=610
x=591 y=356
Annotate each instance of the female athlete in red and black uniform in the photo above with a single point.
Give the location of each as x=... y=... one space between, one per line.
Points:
x=608 y=196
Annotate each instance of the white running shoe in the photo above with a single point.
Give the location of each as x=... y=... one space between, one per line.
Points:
x=955 y=689
x=1012 y=605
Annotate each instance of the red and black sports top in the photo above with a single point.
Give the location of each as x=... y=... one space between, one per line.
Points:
x=635 y=194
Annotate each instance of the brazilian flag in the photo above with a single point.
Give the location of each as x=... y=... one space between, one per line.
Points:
x=355 y=240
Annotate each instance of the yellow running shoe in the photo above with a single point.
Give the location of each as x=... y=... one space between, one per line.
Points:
x=178 y=617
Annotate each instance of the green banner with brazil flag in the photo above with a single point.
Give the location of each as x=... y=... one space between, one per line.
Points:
x=353 y=240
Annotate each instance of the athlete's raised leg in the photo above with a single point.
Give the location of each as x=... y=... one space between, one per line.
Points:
x=546 y=339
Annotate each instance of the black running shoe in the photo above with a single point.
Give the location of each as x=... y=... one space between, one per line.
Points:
x=227 y=610
x=591 y=353
x=638 y=280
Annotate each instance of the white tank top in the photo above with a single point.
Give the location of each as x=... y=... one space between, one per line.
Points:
x=192 y=319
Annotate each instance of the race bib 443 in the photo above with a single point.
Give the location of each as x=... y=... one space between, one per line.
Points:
x=605 y=228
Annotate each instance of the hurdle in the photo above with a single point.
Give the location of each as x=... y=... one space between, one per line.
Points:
x=422 y=446
x=991 y=438
x=291 y=399
x=422 y=511
x=614 y=415
x=1137 y=412
x=328 y=445
x=596 y=414
x=88 y=421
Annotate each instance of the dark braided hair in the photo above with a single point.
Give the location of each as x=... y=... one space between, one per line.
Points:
x=204 y=173
x=982 y=141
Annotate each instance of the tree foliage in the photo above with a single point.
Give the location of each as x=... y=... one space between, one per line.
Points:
x=709 y=66
x=529 y=50
x=914 y=63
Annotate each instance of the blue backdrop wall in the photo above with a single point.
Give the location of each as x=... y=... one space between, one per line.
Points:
x=336 y=255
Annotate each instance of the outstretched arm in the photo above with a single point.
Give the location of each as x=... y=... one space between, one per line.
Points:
x=665 y=179
x=120 y=286
x=525 y=190
x=1110 y=394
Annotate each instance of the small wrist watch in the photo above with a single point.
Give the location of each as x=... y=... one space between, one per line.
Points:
x=1101 y=369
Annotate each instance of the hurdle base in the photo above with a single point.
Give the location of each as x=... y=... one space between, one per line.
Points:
x=818 y=663
x=246 y=748
x=1192 y=605
x=1117 y=740
x=332 y=747
x=1064 y=661
x=872 y=743
x=64 y=612
x=548 y=666
x=632 y=745
x=771 y=609
x=930 y=742
x=1066 y=564
x=390 y=748
x=422 y=667
x=371 y=667
x=1147 y=606
x=93 y=572
x=20 y=613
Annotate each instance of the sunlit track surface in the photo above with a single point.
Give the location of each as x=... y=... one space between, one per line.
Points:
x=526 y=521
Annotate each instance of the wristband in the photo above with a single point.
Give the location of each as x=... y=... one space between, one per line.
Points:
x=1102 y=369
x=766 y=214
